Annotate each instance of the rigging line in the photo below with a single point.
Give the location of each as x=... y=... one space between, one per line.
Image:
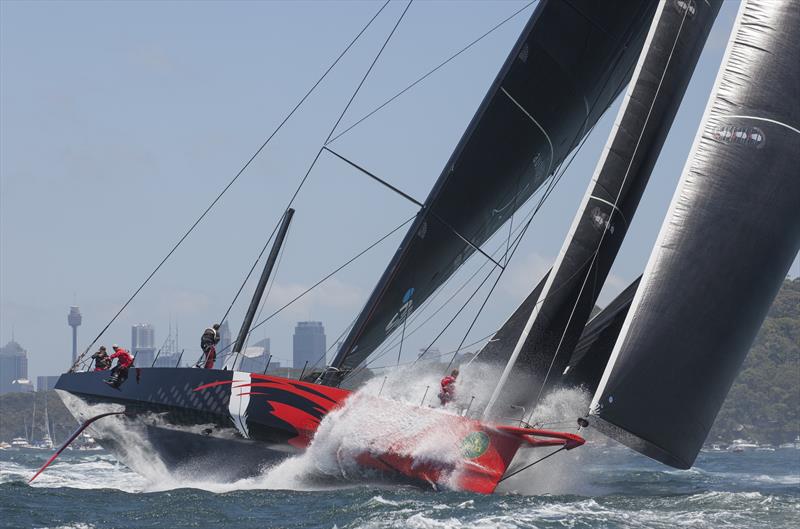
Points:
x=516 y=243
x=463 y=306
x=402 y=339
x=439 y=355
x=374 y=61
x=480 y=309
x=415 y=201
x=309 y=289
x=376 y=178
x=319 y=153
x=431 y=72
x=324 y=355
x=234 y=179
x=418 y=313
x=331 y=274
x=615 y=208
x=526 y=467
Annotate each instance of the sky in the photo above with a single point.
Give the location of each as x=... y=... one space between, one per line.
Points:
x=121 y=121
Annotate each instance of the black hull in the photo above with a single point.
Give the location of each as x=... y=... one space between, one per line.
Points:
x=199 y=423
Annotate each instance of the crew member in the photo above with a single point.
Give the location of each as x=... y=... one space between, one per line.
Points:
x=119 y=373
x=208 y=343
x=101 y=359
x=448 y=392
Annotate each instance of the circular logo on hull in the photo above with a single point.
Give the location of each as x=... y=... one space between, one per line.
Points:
x=474 y=445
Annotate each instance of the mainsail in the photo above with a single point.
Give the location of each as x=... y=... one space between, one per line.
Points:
x=666 y=64
x=568 y=65
x=729 y=238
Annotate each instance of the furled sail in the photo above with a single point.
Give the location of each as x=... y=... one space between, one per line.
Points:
x=568 y=65
x=729 y=238
x=666 y=64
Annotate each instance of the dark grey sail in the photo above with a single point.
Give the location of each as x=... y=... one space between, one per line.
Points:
x=591 y=354
x=729 y=238
x=674 y=43
x=568 y=65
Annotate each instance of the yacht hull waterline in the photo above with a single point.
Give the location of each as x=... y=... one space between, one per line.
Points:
x=229 y=425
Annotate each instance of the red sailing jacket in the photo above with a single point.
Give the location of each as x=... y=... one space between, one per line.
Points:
x=125 y=359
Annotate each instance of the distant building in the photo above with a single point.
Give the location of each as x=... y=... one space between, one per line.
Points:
x=13 y=367
x=74 y=320
x=46 y=383
x=143 y=348
x=308 y=344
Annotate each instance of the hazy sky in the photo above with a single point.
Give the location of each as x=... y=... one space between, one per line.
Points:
x=120 y=121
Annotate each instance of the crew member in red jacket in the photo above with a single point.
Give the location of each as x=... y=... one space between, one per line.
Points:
x=448 y=392
x=120 y=372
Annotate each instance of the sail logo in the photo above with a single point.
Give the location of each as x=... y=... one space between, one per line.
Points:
x=748 y=136
x=402 y=314
x=601 y=221
x=475 y=445
x=685 y=6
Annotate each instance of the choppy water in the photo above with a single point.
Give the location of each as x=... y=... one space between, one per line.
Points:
x=603 y=487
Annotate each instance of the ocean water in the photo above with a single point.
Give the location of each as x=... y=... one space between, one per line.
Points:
x=599 y=485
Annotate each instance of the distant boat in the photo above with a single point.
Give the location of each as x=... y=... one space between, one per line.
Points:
x=740 y=445
x=20 y=442
x=794 y=444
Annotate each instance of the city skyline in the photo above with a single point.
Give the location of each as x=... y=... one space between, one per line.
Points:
x=170 y=160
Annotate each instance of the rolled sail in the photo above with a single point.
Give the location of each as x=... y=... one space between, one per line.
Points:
x=568 y=65
x=730 y=236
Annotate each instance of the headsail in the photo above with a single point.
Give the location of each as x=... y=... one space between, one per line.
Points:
x=591 y=354
x=729 y=238
x=666 y=64
x=570 y=62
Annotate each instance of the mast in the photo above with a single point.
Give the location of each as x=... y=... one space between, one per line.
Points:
x=47 y=422
x=729 y=237
x=547 y=95
x=33 y=418
x=262 y=284
x=665 y=66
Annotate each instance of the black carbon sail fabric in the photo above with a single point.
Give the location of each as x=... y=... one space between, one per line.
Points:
x=674 y=43
x=569 y=64
x=730 y=236
x=590 y=357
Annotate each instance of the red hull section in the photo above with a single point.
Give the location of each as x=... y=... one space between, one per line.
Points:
x=452 y=451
